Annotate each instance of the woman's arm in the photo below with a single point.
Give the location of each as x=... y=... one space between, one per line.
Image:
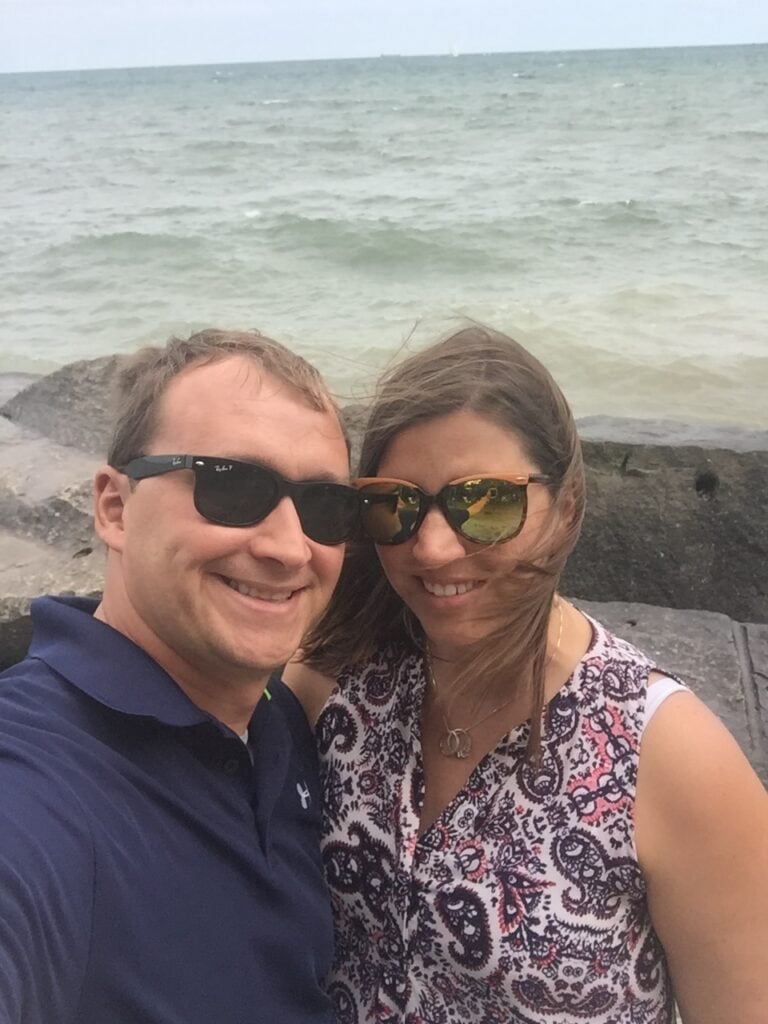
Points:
x=311 y=687
x=702 y=841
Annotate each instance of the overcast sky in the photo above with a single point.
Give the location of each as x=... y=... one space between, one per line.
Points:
x=62 y=34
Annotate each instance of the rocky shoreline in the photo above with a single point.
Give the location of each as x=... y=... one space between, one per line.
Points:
x=676 y=533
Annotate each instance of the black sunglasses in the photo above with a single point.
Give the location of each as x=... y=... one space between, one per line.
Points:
x=483 y=509
x=229 y=492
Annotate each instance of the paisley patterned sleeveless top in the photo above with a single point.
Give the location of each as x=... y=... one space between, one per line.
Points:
x=523 y=903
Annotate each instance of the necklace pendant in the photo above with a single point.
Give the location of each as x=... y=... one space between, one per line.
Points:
x=456 y=743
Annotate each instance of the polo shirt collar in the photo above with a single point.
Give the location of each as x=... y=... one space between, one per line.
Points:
x=105 y=664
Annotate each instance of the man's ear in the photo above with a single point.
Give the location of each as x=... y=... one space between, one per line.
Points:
x=111 y=490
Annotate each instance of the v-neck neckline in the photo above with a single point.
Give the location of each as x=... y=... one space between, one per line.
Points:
x=502 y=759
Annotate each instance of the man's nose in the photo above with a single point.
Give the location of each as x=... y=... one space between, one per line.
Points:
x=280 y=537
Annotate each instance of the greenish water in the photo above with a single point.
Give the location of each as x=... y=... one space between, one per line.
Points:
x=606 y=207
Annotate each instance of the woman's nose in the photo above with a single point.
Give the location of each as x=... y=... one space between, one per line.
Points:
x=436 y=542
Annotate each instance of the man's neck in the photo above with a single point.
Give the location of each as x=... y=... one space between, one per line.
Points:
x=231 y=705
x=231 y=698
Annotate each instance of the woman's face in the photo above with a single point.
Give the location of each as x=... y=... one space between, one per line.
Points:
x=450 y=583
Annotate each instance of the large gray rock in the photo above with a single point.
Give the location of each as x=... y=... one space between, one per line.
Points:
x=73 y=406
x=665 y=432
x=47 y=544
x=675 y=525
x=355 y=418
x=12 y=383
x=757 y=650
x=45 y=488
x=29 y=567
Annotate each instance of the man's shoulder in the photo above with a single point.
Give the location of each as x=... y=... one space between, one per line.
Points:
x=30 y=691
x=47 y=878
x=28 y=668
x=43 y=681
x=56 y=625
x=51 y=736
x=45 y=836
x=40 y=735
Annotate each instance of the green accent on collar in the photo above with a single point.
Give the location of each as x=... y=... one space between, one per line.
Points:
x=267 y=694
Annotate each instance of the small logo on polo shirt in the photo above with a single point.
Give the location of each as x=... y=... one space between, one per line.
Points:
x=304 y=794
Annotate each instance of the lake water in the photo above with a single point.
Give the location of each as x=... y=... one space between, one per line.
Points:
x=607 y=208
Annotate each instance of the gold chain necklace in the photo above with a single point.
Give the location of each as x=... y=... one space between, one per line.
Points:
x=458 y=742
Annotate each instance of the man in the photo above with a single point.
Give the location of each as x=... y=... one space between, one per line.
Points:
x=158 y=804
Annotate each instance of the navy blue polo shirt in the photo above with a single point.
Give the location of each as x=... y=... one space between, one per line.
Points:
x=150 y=871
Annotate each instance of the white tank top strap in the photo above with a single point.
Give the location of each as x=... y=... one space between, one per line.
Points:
x=658 y=691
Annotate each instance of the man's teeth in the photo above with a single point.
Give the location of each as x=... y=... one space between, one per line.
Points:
x=243 y=588
x=449 y=589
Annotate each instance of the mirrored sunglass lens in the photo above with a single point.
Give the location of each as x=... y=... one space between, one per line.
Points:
x=485 y=510
x=234 y=495
x=389 y=512
x=328 y=512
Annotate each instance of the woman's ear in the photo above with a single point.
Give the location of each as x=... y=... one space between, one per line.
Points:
x=111 y=490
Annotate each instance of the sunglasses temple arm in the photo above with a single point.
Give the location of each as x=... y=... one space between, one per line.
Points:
x=156 y=465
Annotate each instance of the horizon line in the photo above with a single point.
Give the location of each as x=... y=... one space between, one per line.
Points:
x=386 y=56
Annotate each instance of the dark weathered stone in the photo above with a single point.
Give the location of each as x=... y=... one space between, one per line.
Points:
x=675 y=526
x=355 y=418
x=45 y=488
x=29 y=567
x=12 y=383
x=15 y=631
x=73 y=405
x=670 y=432
x=47 y=544
x=757 y=645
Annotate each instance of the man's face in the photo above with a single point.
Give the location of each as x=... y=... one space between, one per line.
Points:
x=217 y=604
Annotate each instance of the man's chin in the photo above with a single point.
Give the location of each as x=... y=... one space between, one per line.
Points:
x=266 y=663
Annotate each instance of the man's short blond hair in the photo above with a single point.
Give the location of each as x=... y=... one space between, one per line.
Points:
x=145 y=376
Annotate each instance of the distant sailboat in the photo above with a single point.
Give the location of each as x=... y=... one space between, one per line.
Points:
x=454 y=50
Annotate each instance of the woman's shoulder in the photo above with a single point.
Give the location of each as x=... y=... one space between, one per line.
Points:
x=613 y=668
x=609 y=644
x=702 y=842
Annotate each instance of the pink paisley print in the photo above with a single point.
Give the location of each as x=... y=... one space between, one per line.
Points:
x=524 y=902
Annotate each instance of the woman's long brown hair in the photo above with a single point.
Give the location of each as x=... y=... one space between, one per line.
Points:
x=485 y=372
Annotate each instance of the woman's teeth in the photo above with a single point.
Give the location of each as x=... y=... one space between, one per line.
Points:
x=449 y=589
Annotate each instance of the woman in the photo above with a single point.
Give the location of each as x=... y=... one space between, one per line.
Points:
x=497 y=847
